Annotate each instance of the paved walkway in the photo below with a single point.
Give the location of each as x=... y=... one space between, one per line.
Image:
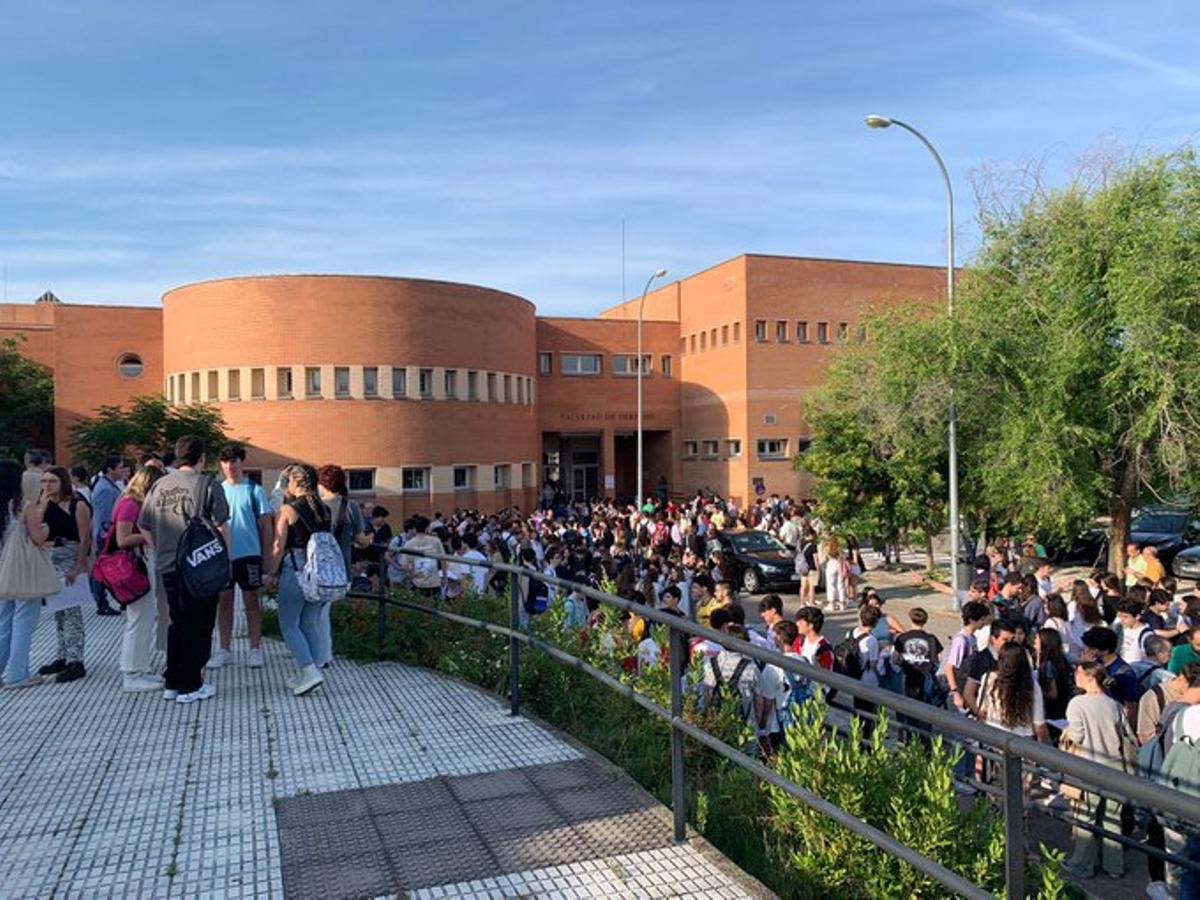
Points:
x=389 y=780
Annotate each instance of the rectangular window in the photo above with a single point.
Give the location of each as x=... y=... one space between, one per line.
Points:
x=704 y=340
x=760 y=330
x=181 y=389
x=520 y=390
x=772 y=448
x=283 y=383
x=627 y=365
x=802 y=445
x=472 y=385
x=733 y=448
x=258 y=384
x=581 y=364
x=823 y=332
x=425 y=383
x=712 y=339
x=691 y=343
x=170 y=389
x=508 y=389
x=195 y=395
x=491 y=381
x=360 y=481
x=399 y=383
x=802 y=332
x=341 y=381
x=370 y=381
x=253 y=475
x=414 y=481
x=737 y=331
x=464 y=478
x=724 y=335
x=712 y=449
x=545 y=362
x=312 y=381
x=500 y=477
x=682 y=346
x=666 y=367
x=843 y=332
x=781 y=332
x=691 y=449
x=526 y=474
x=213 y=385
x=450 y=380
x=234 y=380
x=860 y=333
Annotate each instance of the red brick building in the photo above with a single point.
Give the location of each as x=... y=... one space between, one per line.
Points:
x=436 y=395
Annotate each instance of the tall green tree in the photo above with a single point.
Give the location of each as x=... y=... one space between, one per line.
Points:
x=878 y=439
x=148 y=424
x=1078 y=340
x=26 y=401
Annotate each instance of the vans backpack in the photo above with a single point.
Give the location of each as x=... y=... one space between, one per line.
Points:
x=201 y=557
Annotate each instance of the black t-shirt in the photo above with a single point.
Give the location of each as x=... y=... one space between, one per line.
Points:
x=1154 y=620
x=980 y=663
x=918 y=651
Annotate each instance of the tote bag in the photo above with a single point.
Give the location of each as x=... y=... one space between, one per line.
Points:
x=26 y=572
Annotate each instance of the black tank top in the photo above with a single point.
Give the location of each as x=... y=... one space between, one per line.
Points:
x=306 y=522
x=61 y=522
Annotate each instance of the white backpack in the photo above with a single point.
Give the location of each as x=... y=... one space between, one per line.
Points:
x=323 y=578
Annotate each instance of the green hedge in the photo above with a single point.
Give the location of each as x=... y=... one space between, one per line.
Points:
x=904 y=790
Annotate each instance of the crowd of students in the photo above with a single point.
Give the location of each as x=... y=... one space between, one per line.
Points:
x=1108 y=666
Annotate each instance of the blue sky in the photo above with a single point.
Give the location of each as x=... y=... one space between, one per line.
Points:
x=148 y=145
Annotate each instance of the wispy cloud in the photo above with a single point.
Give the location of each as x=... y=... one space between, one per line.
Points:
x=1069 y=32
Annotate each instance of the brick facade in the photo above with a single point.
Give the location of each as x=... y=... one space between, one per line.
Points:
x=470 y=387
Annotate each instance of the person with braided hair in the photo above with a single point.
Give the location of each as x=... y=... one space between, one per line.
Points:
x=304 y=630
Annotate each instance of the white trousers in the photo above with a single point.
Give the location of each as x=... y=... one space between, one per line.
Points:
x=140 y=628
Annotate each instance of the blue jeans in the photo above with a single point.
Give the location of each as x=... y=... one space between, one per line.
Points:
x=18 y=619
x=300 y=621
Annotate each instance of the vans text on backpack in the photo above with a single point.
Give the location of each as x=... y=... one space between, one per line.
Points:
x=201 y=557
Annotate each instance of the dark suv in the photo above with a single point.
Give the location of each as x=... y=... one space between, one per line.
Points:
x=1173 y=531
x=760 y=562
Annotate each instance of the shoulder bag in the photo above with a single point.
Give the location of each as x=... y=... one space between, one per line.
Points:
x=26 y=572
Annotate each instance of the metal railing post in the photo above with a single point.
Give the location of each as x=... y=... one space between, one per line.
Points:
x=514 y=647
x=1014 y=827
x=678 y=651
x=381 y=615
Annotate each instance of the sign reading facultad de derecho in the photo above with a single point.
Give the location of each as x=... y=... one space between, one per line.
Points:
x=605 y=417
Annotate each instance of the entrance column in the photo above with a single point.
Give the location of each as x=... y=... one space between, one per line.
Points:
x=608 y=463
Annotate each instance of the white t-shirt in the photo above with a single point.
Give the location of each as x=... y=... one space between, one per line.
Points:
x=1131 y=643
x=478 y=573
x=647 y=654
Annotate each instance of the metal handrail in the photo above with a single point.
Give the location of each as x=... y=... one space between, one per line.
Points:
x=1013 y=748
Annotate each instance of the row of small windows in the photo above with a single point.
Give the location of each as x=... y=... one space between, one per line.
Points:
x=419 y=480
x=767 y=448
x=493 y=387
x=592 y=364
x=783 y=332
x=703 y=340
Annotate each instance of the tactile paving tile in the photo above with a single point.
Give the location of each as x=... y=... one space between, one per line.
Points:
x=364 y=785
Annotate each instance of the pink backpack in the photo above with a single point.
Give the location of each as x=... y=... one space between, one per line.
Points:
x=122 y=572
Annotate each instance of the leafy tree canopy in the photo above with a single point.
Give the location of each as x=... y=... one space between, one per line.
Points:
x=148 y=424
x=1073 y=355
x=26 y=401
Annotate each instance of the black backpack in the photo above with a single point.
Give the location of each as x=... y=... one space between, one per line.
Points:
x=201 y=557
x=847 y=658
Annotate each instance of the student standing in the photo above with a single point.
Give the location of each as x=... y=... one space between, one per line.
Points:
x=103 y=498
x=64 y=521
x=171 y=503
x=18 y=618
x=249 y=533
x=141 y=616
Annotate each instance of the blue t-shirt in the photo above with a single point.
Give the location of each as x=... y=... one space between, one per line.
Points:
x=246 y=503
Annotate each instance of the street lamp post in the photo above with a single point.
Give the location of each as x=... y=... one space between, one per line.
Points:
x=885 y=122
x=641 y=307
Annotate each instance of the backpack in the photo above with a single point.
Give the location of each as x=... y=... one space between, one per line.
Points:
x=1152 y=753
x=122 y=572
x=847 y=658
x=323 y=578
x=201 y=557
x=1181 y=771
x=800 y=691
x=802 y=566
x=537 y=596
x=728 y=690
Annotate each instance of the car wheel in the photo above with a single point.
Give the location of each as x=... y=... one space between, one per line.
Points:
x=751 y=581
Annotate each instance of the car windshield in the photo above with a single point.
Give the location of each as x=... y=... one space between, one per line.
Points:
x=754 y=542
x=1159 y=523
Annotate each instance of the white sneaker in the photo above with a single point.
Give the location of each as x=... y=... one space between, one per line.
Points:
x=170 y=694
x=255 y=658
x=219 y=659
x=1158 y=890
x=310 y=678
x=137 y=682
x=204 y=692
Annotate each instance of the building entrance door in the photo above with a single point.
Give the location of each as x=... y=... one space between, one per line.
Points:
x=585 y=482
